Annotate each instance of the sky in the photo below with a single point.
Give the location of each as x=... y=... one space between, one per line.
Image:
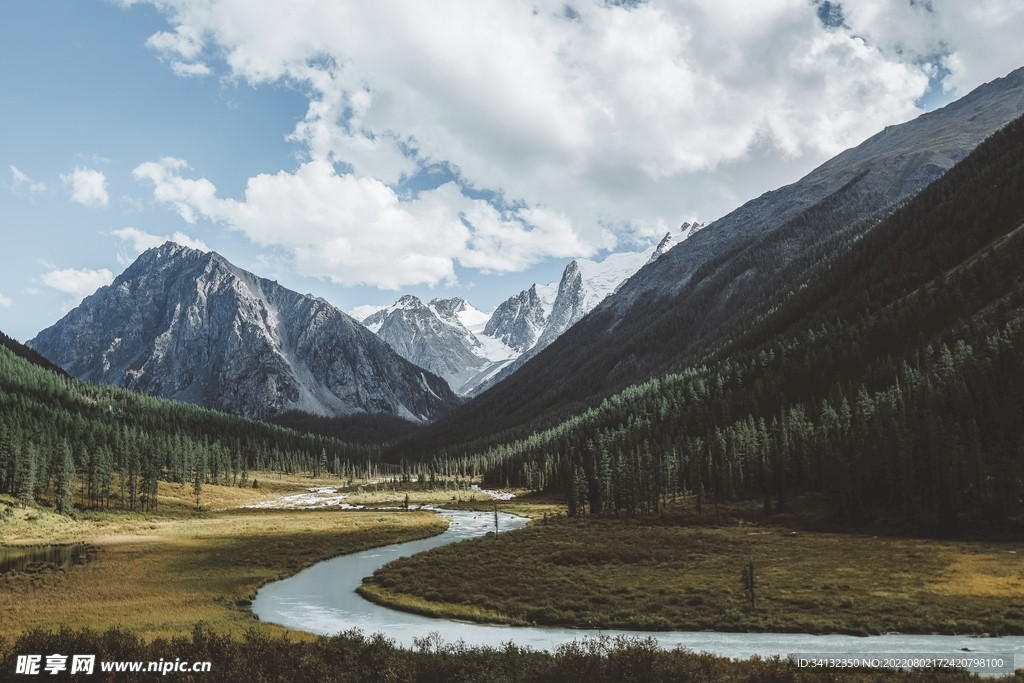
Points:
x=360 y=151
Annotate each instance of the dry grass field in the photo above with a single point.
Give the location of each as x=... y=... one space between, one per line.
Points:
x=160 y=573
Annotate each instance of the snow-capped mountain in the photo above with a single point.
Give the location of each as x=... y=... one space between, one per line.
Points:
x=437 y=336
x=538 y=316
x=190 y=326
x=535 y=317
x=520 y=320
x=472 y=349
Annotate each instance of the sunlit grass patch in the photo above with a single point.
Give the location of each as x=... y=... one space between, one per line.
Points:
x=159 y=573
x=988 y=574
x=418 y=605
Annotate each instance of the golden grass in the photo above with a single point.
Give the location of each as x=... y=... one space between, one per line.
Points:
x=668 y=573
x=992 y=574
x=158 y=574
x=417 y=605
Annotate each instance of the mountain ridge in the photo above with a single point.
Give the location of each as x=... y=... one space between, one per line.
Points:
x=190 y=325
x=698 y=296
x=474 y=350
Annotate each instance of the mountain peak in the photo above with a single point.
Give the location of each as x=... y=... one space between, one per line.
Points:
x=191 y=326
x=409 y=301
x=493 y=345
x=435 y=336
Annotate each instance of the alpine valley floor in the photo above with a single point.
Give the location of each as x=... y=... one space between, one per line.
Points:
x=678 y=571
x=158 y=574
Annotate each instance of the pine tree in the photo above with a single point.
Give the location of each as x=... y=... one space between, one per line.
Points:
x=25 y=474
x=198 y=473
x=65 y=479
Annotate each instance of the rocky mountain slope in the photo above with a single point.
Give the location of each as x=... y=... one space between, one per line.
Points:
x=434 y=337
x=190 y=326
x=696 y=299
x=583 y=286
x=472 y=350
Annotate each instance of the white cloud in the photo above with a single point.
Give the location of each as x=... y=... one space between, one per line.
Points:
x=5 y=302
x=134 y=205
x=88 y=187
x=976 y=41
x=365 y=311
x=186 y=241
x=355 y=230
x=600 y=123
x=22 y=180
x=78 y=283
x=190 y=68
x=141 y=241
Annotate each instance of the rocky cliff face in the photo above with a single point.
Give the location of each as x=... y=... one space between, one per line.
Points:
x=472 y=350
x=532 y=320
x=431 y=336
x=190 y=326
x=520 y=320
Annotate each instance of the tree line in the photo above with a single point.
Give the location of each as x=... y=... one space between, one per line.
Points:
x=71 y=443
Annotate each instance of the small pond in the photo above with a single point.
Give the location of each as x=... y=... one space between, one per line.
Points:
x=41 y=558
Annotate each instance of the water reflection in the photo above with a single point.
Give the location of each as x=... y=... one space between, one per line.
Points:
x=21 y=559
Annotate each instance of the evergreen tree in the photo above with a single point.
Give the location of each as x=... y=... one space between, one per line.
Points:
x=65 y=479
x=198 y=474
x=25 y=474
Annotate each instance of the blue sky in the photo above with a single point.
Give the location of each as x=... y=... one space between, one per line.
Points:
x=362 y=152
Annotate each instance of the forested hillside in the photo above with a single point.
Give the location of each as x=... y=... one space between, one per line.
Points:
x=22 y=351
x=715 y=285
x=371 y=429
x=103 y=446
x=892 y=382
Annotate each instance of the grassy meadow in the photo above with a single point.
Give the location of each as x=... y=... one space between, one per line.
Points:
x=158 y=574
x=678 y=572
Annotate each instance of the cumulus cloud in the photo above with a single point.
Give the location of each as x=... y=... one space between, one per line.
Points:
x=88 y=186
x=5 y=302
x=356 y=230
x=141 y=240
x=365 y=311
x=190 y=68
x=597 y=123
x=969 y=43
x=22 y=180
x=79 y=283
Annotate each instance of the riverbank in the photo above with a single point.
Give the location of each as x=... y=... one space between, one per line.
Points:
x=675 y=572
x=158 y=574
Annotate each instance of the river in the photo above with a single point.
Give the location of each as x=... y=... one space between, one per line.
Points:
x=322 y=599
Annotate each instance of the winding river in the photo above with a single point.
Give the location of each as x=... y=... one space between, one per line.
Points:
x=322 y=599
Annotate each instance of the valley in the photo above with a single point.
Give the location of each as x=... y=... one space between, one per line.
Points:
x=677 y=570
x=160 y=573
x=680 y=571
x=806 y=417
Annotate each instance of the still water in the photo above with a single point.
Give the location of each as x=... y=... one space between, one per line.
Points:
x=322 y=599
x=17 y=559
